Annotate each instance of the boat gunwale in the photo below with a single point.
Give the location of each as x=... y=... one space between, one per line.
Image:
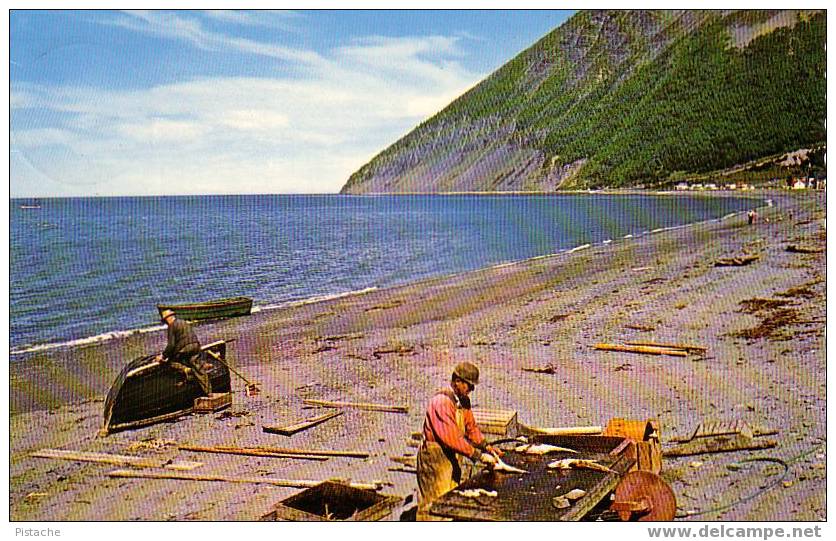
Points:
x=232 y=301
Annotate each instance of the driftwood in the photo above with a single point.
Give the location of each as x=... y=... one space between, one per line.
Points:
x=719 y=444
x=736 y=261
x=723 y=428
x=641 y=349
x=801 y=249
x=249 y=452
x=684 y=347
x=115 y=460
x=643 y=328
x=401 y=350
x=292 y=483
x=302 y=425
x=358 y=405
x=548 y=369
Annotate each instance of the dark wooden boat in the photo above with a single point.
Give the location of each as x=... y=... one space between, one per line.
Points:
x=146 y=391
x=221 y=308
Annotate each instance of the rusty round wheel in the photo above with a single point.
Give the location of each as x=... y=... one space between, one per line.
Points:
x=644 y=496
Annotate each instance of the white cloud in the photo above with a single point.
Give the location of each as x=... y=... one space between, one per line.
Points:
x=235 y=134
x=170 y=25
x=163 y=131
x=278 y=19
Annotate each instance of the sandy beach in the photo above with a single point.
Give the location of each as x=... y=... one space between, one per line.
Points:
x=765 y=364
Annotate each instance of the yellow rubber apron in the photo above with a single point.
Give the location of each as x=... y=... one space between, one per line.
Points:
x=439 y=471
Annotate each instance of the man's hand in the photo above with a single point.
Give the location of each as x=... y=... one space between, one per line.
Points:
x=160 y=359
x=487 y=458
x=495 y=451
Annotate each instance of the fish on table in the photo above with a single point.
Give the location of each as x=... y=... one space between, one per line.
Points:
x=541 y=449
x=578 y=463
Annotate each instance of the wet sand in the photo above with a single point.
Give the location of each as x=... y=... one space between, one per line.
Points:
x=764 y=365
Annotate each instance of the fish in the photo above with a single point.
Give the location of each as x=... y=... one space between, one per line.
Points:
x=476 y=492
x=541 y=449
x=577 y=463
x=502 y=466
x=575 y=494
x=561 y=502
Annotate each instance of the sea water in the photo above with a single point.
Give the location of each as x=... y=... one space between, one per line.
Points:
x=89 y=269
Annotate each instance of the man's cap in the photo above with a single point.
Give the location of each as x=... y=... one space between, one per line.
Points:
x=468 y=372
x=165 y=313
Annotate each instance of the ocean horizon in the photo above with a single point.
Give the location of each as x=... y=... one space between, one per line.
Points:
x=91 y=269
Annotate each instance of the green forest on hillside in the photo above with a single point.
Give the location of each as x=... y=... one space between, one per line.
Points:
x=647 y=98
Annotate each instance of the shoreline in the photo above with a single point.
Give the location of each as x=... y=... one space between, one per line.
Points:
x=396 y=345
x=118 y=334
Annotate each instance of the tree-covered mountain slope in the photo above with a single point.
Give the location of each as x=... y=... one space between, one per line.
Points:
x=617 y=98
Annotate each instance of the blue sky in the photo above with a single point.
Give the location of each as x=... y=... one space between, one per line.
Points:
x=200 y=102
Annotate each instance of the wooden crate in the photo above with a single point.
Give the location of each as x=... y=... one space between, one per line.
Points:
x=333 y=501
x=213 y=402
x=493 y=423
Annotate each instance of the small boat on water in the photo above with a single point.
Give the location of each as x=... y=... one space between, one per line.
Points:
x=146 y=391
x=221 y=308
x=32 y=205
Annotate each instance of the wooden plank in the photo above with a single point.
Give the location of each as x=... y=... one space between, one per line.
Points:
x=291 y=483
x=248 y=452
x=303 y=425
x=686 y=347
x=562 y=431
x=411 y=460
x=115 y=460
x=359 y=405
x=640 y=349
x=314 y=452
x=719 y=444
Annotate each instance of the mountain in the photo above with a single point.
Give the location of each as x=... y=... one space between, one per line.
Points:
x=618 y=98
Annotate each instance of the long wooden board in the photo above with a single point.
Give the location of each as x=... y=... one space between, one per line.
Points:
x=314 y=452
x=289 y=430
x=292 y=483
x=249 y=452
x=641 y=349
x=358 y=405
x=685 y=347
x=115 y=460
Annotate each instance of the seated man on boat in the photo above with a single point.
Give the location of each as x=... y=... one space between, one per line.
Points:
x=183 y=351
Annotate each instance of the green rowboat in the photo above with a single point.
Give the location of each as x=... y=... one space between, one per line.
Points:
x=221 y=308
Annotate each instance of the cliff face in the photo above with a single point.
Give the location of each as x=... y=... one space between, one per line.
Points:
x=613 y=98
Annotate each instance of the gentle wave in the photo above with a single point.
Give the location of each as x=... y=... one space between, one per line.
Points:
x=114 y=335
x=104 y=337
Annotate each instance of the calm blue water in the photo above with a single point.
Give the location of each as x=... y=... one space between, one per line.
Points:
x=83 y=268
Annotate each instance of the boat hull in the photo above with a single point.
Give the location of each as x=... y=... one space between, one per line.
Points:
x=223 y=308
x=146 y=392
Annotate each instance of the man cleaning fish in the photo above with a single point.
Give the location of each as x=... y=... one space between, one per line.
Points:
x=449 y=434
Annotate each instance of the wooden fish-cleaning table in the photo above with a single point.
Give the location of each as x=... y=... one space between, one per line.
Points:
x=528 y=496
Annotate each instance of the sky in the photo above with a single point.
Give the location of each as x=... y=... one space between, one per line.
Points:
x=106 y=103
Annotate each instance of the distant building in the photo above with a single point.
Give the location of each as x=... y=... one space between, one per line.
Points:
x=799 y=184
x=682 y=186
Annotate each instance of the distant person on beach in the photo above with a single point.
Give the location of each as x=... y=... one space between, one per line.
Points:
x=450 y=433
x=753 y=217
x=183 y=350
